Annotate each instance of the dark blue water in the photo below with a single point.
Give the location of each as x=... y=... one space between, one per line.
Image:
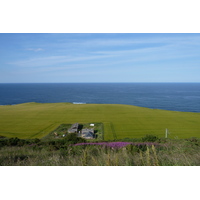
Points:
x=167 y=96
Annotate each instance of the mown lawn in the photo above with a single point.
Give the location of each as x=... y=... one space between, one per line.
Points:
x=35 y=120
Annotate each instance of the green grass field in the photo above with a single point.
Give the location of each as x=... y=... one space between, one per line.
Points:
x=35 y=120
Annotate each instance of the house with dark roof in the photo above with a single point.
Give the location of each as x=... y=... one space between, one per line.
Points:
x=87 y=133
x=74 y=128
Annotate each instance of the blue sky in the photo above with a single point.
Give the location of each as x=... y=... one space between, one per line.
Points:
x=58 y=58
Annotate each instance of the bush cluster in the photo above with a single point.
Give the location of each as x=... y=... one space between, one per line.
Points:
x=59 y=143
x=17 y=142
x=150 y=138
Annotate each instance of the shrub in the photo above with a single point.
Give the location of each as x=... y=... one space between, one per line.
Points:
x=36 y=140
x=13 y=141
x=149 y=138
x=132 y=148
x=63 y=152
x=21 y=143
x=131 y=140
x=141 y=147
x=73 y=139
x=193 y=139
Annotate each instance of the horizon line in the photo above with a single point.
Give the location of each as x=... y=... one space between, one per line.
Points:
x=85 y=82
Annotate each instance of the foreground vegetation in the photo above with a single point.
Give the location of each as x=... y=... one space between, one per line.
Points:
x=74 y=151
x=36 y=120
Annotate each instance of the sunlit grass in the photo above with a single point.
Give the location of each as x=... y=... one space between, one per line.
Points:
x=34 y=120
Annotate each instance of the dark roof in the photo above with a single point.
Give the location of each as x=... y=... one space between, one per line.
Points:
x=88 y=133
x=74 y=128
x=74 y=125
x=87 y=130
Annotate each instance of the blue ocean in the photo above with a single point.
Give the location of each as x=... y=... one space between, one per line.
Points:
x=167 y=96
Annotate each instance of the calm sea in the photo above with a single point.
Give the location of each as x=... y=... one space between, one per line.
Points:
x=167 y=96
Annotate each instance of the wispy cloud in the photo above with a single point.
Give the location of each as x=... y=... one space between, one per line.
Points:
x=35 y=49
x=133 y=39
x=140 y=54
x=54 y=60
x=162 y=52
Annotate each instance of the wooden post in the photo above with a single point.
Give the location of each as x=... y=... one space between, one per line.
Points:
x=166 y=133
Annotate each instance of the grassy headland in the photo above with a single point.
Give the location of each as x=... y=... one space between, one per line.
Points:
x=36 y=120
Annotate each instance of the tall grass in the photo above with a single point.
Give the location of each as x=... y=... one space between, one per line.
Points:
x=169 y=153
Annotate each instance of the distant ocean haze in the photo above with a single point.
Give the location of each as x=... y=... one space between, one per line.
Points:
x=166 y=96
